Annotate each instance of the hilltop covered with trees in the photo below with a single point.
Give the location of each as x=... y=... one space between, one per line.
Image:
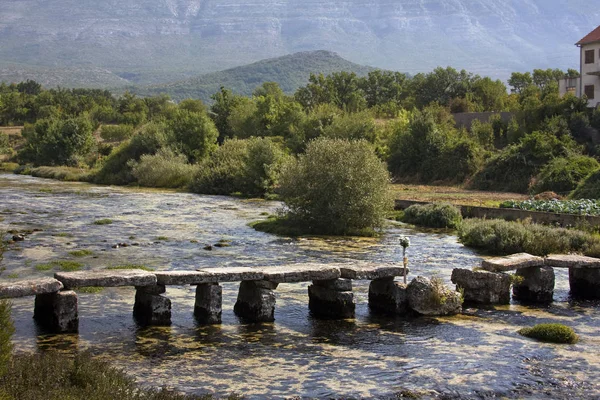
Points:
x=239 y=144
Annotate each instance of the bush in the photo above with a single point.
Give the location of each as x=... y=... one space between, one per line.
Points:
x=56 y=376
x=562 y=175
x=504 y=237
x=437 y=215
x=337 y=187
x=553 y=333
x=589 y=188
x=165 y=169
x=70 y=174
x=193 y=134
x=116 y=133
x=5 y=147
x=249 y=166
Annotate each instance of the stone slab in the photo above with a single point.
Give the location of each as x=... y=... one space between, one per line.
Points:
x=300 y=273
x=29 y=287
x=572 y=261
x=106 y=278
x=208 y=275
x=371 y=271
x=512 y=262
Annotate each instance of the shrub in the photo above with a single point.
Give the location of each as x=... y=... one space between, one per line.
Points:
x=104 y=221
x=70 y=174
x=249 y=166
x=437 y=215
x=336 y=187
x=6 y=331
x=165 y=169
x=589 y=188
x=504 y=237
x=193 y=134
x=116 y=133
x=553 y=333
x=562 y=175
x=5 y=147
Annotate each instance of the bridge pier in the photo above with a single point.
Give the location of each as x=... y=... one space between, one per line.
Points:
x=388 y=297
x=209 y=303
x=151 y=308
x=585 y=283
x=331 y=299
x=534 y=284
x=57 y=312
x=256 y=301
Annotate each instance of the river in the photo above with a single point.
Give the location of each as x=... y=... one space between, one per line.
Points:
x=477 y=354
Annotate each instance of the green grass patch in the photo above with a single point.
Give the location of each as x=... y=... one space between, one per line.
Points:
x=130 y=266
x=436 y=215
x=285 y=227
x=68 y=266
x=63 y=234
x=552 y=333
x=105 y=221
x=90 y=289
x=8 y=166
x=163 y=238
x=14 y=275
x=44 y=267
x=503 y=237
x=81 y=253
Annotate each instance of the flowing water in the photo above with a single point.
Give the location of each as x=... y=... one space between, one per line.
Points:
x=477 y=354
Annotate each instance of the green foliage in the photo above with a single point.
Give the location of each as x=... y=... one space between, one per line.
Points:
x=116 y=133
x=336 y=187
x=562 y=175
x=81 y=253
x=130 y=266
x=5 y=147
x=52 y=375
x=104 y=221
x=68 y=266
x=165 y=169
x=57 y=141
x=193 y=133
x=504 y=237
x=553 y=333
x=589 y=188
x=576 y=207
x=436 y=215
x=69 y=174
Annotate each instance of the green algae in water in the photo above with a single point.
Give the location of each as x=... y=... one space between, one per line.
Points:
x=163 y=238
x=81 y=253
x=68 y=266
x=130 y=266
x=105 y=221
x=44 y=267
x=90 y=289
x=551 y=333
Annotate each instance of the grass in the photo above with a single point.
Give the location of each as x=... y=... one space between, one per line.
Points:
x=503 y=237
x=69 y=174
x=163 y=238
x=54 y=375
x=105 y=221
x=453 y=194
x=552 y=333
x=68 y=266
x=436 y=215
x=8 y=166
x=130 y=266
x=44 y=267
x=285 y=227
x=14 y=275
x=90 y=289
x=63 y=234
x=81 y=253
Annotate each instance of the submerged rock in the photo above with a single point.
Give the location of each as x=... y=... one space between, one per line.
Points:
x=432 y=297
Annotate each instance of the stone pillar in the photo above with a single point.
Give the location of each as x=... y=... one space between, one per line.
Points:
x=256 y=301
x=482 y=287
x=388 y=297
x=57 y=312
x=151 y=308
x=331 y=299
x=209 y=301
x=585 y=283
x=534 y=284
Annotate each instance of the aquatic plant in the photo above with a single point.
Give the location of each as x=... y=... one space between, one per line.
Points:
x=81 y=253
x=553 y=333
x=104 y=221
x=435 y=215
x=130 y=266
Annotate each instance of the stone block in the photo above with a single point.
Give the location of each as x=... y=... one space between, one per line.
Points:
x=300 y=273
x=208 y=275
x=209 y=303
x=482 y=287
x=585 y=283
x=432 y=298
x=106 y=278
x=371 y=271
x=388 y=297
x=534 y=284
x=512 y=262
x=330 y=304
x=571 y=261
x=255 y=304
x=30 y=287
x=152 y=309
x=340 y=285
x=57 y=312
x=156 y=289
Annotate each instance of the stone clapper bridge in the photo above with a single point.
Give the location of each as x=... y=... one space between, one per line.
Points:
x=330 y=295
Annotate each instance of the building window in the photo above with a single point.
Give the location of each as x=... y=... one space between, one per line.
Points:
x=589 y=92
x=589 y=56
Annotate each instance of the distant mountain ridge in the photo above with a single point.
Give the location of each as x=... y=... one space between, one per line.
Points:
x=153 y=41
x=290 y=72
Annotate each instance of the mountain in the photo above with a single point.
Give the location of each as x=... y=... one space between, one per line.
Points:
x=290 y=72
x=150 y=41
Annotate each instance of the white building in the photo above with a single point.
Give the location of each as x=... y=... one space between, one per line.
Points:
x=589 y=82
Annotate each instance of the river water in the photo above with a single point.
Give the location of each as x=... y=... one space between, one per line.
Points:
x=477 y=354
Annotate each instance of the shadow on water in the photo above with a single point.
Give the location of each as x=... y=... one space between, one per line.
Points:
x=476 y=355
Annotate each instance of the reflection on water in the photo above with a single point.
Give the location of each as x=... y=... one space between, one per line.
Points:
x=475 y=354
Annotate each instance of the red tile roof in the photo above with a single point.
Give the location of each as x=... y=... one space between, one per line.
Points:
x=593 y=36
